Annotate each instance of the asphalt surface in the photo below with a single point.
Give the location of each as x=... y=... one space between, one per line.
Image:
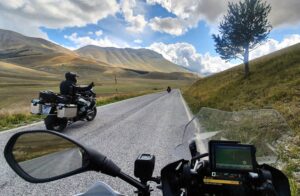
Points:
x=152 y=124
x=53 y=164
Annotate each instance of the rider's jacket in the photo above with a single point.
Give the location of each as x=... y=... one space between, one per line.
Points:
x=68 y=87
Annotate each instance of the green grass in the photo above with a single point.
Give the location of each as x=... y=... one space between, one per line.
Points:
x=8 y=121
x=274 y=83
x=33 y=145
x=119 y=97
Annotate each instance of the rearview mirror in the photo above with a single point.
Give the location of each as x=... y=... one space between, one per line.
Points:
x=39 y=156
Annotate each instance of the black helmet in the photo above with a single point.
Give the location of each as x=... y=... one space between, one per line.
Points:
x=71 y=76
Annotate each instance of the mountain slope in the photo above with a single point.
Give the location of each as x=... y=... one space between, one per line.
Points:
x=37 y=54
x=137 y=59
x=12 y=70
x=14 y=44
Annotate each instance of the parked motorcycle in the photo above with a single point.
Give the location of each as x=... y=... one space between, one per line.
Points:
x=220 y=167
x=61 y=110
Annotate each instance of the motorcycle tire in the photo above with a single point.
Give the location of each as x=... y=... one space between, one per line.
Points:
x=55 y=124
x=91 y=116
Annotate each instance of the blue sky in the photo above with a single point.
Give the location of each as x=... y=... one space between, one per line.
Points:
x=179 y=30
x=114 y=27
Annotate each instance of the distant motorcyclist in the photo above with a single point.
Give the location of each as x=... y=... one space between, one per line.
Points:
x=169 y=89
x=68 y=87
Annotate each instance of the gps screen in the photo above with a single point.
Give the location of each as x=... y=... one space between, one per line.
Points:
x=233 y=158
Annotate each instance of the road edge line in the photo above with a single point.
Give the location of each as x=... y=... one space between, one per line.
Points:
x=200 y=145
x=187 y=109
x=22 y=127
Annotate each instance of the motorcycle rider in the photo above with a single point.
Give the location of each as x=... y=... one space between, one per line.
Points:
x=68 y=89
x=169 y=89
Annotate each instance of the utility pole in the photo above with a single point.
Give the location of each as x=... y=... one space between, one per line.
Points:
x=116 y=83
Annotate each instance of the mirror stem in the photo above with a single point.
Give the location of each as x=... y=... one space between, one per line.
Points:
x=133 y=182
x=106 y=166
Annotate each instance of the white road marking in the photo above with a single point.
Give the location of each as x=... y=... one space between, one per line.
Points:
x=199 y=143
x=187 y=109
x=22 y=127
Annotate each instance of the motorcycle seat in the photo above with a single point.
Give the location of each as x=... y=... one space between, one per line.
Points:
x=63 y=99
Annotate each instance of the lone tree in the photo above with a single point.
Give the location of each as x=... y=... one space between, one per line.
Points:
x=243 y=28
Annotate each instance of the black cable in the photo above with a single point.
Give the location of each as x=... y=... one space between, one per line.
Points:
x=199 y=156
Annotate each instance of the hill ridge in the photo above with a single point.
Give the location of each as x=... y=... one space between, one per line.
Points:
x=15 y=48
x=130 y=58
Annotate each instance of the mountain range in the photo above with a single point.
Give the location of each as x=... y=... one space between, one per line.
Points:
x=41 y=55
x=128 y=58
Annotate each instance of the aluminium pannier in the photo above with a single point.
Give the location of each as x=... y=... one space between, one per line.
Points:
x=66 y=110
x=36 y=106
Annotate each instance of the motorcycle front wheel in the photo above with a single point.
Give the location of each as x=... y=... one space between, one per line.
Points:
x=55 y=124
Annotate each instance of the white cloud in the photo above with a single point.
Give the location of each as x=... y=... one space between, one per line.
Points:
x=173 y=26
x=284 y=13
x=136 y=22
x=90 y=33
x=272 y=45
x=86 y=40
x=186 y=55
x=27 y=17
x=189 y=12
x=138 y=41
x=99 y=33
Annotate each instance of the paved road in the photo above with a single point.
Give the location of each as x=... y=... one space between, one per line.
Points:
x=53 y=164
x=148 y=124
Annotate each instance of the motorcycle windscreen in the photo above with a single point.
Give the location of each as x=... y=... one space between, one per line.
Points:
x=266 y=129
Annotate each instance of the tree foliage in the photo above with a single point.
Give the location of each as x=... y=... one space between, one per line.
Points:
x=243 y=28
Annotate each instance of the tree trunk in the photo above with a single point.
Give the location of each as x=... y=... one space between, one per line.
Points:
x=246 y=61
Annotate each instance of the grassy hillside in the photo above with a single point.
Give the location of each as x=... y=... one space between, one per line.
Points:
x=15 y=44
x=274 y=83
x=9 y=69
